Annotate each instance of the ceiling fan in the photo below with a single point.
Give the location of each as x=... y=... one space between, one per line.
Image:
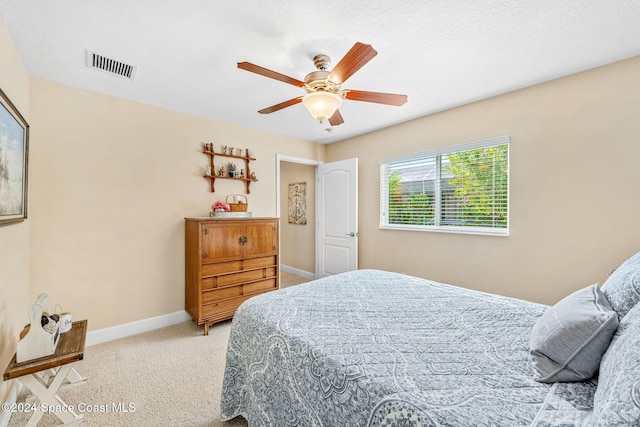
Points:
x=324 y=92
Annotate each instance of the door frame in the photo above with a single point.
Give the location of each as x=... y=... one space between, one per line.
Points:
x=282 y=158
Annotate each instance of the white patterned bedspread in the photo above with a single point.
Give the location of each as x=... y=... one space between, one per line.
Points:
x=373 y=348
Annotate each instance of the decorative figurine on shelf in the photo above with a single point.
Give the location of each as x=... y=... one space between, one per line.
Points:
x=221 y=171
x=223 y=150
x=241 y=173
x=230 y=151
x=232 y=170
x=253 y=177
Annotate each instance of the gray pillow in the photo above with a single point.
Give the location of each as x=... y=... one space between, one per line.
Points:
x=622 y=287
x=569 y=339
x=617 y=398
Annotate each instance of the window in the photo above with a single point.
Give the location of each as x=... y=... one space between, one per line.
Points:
x=461 y=189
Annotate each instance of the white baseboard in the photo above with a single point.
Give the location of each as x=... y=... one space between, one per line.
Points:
x=307 y=275
x=127 y=329
x=14 y=391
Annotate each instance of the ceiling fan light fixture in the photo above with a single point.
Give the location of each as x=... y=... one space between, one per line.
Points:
x=321 y=104
x=324 y=88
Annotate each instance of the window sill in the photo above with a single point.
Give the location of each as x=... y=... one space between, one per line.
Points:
x=456 y=230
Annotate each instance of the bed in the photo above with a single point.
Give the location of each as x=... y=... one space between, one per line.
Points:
x=375 y=348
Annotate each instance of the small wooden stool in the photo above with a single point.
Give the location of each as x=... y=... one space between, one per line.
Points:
x=34 y=374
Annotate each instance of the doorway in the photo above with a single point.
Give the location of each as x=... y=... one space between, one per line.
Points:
x=326 y=242
x=297 y=236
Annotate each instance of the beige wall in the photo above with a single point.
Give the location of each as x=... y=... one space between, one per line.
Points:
x=112 y=181
x=297 y=245
x=574 y=180
x=14 y=239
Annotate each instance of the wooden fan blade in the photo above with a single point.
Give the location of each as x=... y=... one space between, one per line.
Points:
x=377 y=97
x=280 y=106
x=248 y=66
x=336 y=119
x=355 y=59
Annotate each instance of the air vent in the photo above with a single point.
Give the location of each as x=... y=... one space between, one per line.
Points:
x=109 y=65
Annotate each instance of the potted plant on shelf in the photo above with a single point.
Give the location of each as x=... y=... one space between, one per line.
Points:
x=232 y=170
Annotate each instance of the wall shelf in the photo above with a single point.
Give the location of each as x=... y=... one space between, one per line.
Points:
x=246 y=159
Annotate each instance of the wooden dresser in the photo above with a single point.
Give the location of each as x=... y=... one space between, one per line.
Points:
x=227 y=262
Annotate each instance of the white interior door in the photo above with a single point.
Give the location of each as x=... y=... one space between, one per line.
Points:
x=337 y=217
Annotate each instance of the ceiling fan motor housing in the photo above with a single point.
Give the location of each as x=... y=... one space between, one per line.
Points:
x=322 y=62
x=317 y=81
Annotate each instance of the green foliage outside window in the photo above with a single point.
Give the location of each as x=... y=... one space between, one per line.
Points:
x=412 y=208
x=481 y=179
x=473 y=193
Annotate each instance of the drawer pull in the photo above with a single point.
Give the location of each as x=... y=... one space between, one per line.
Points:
x=205 y=255
x=242 y=240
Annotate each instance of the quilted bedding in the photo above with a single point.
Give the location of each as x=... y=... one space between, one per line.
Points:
x=374 y=348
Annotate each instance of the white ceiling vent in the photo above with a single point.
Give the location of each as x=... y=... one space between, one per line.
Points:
x=109 y=65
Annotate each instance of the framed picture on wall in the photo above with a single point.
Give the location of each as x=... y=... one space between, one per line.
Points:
x=298 y=203
x=14 y=149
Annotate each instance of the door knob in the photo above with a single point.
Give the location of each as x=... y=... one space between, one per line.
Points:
x=352 y=234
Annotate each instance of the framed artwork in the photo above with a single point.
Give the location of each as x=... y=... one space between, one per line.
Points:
x=298 y=203
x=14 y=149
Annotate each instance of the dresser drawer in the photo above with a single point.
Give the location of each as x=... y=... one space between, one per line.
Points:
x=245 y=276
x=208 y=283
x=221 y=267
x=210 y=310
x=220 y=294
x=259 y=262
x=262 y=285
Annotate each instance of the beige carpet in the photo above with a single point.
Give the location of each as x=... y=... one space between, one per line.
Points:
x=172 y=376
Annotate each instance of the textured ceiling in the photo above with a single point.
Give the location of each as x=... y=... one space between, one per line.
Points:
x=441 y=54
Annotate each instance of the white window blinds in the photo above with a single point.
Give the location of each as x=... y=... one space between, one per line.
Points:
x=463 y=189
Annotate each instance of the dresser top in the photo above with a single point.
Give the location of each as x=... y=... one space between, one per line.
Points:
x=207 y=218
